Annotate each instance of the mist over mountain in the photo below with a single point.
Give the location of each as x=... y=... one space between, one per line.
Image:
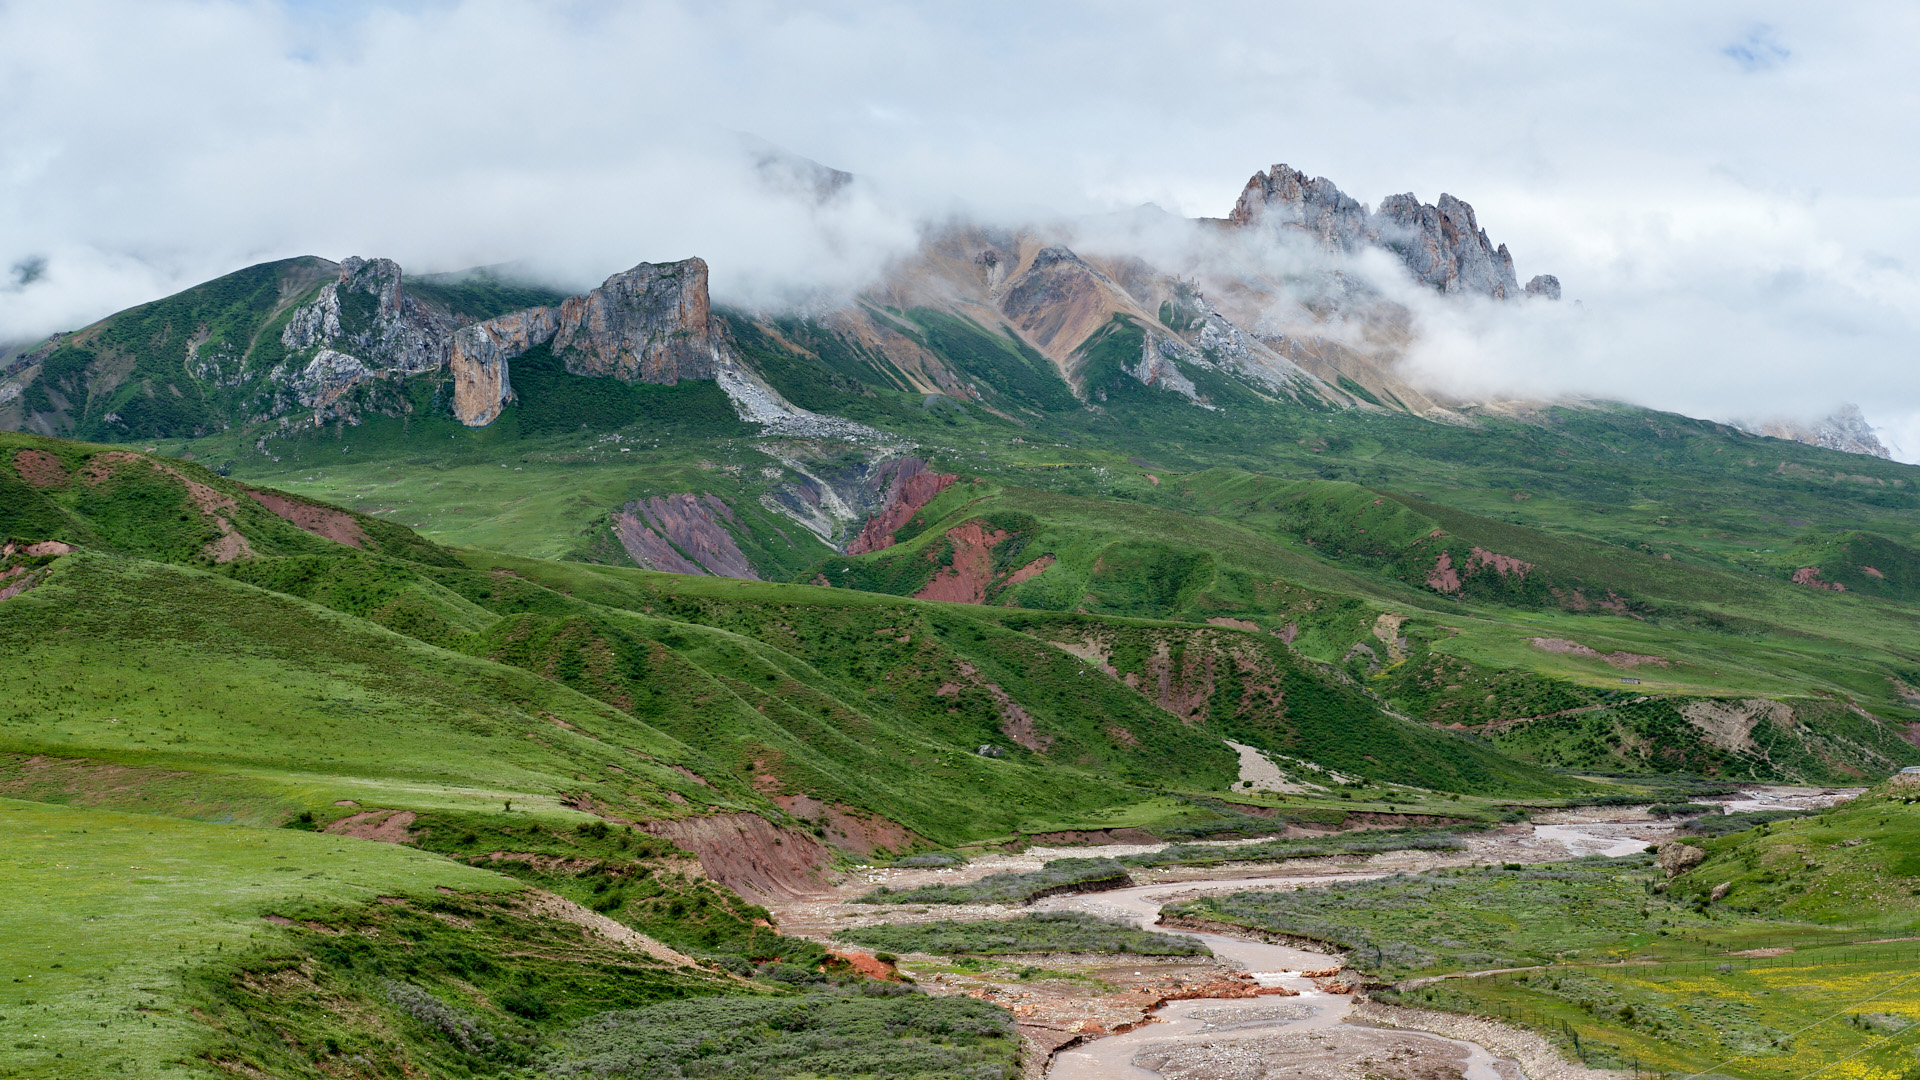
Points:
x=1702 y=184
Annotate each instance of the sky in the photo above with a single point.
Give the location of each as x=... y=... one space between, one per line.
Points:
x=1726 y=190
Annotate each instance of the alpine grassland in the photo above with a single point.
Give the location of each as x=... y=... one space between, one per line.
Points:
x=350 y=732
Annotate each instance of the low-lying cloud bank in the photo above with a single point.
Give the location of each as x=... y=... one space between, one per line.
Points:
x=1719 y=187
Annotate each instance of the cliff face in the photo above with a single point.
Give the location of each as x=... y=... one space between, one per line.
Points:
x=653 y=323
x=478 y=361
x=1441 y=244
x=360 y=327
x=1445 y=247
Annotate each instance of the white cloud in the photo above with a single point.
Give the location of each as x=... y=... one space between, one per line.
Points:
x=1724 y=186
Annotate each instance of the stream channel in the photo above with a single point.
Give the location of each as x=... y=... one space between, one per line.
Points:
x=1219 y=1038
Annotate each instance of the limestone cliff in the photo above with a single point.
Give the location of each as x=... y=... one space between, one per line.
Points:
x=478 y=361
x=359 y=327
x=653 y=323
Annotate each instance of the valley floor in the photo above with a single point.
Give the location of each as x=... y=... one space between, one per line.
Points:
x=1260 y=1010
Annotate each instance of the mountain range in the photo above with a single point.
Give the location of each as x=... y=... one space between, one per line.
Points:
x=647 y=608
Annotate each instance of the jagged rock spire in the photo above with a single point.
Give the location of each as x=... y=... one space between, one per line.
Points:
x=1442 y=245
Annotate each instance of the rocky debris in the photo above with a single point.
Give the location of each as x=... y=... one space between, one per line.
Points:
x=1720 y=892
x=19 y=579
x=40 y=550
x=1218 y=339
x=966 y=578
x=1810 y=577
x=1677 y=858
x=385 y=826
x=1845 y=430
x=1441 y=243
x=40 y=469
x=1447 y=578
x=758 y=403
x=1158 y=366
x=827 y=498
x=910 y=486
x=1729 y=724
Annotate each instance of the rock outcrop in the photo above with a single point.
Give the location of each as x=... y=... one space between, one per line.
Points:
x=1445 y=247
x=1545 y=285
x=1441 y=244
x=653 y=323
x=910 y=486
x=1284 y=197
x=360 y=327
x=682 y=534
x=478 y=361
x=1846 y=430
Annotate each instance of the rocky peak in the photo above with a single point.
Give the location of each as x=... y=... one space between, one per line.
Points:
x=1286 y=198
x=1544 y=285
x=653 y=323
x=1441 y=244
x=358 y=327
x=378 y=278
x=1445 y=247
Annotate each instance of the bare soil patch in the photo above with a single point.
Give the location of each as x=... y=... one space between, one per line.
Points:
x=746 y=853
x=41 y=469
x=321 y=521
x=386 y=826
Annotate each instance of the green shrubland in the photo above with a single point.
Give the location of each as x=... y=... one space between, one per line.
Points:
x=1034 y=932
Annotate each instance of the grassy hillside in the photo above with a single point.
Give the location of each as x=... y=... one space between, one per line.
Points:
x=270 y=643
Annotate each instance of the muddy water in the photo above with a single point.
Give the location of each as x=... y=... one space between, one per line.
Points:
x=1184 y=1022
